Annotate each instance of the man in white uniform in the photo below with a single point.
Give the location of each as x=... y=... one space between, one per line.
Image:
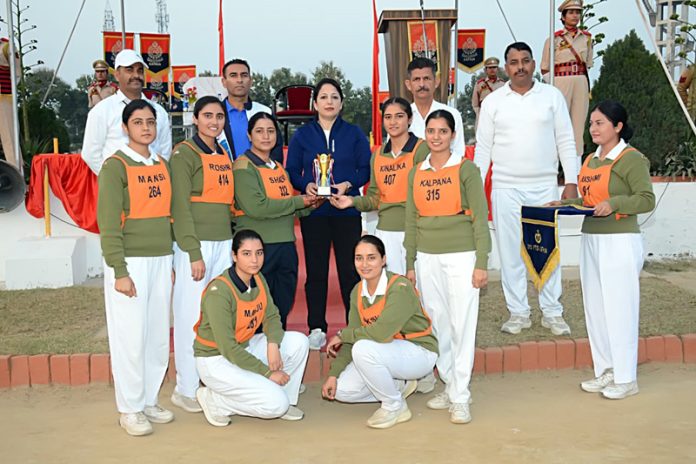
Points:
x=422 y=82
x=104 y=132
x=524 y=128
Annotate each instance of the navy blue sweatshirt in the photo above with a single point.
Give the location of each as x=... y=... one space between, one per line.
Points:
x=350 y=150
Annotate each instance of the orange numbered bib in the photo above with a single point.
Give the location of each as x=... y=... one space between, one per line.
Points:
x=250 y=314
x=369 y=314
x=149 y=190
x=438 y=193
x=276 y=182
x=391 y=175
x=218 y=182
x=594 y=182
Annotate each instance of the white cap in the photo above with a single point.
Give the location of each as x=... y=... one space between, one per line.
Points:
x=128 y=57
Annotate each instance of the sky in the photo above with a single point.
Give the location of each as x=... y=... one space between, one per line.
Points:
x=298 y=34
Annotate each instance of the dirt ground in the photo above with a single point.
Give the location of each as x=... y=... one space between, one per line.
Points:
x=540 y=417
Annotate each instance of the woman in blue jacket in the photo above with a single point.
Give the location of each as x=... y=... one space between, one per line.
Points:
x=350 y=151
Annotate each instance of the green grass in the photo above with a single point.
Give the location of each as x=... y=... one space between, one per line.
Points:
x=71 y=320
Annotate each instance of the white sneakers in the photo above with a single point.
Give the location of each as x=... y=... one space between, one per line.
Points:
x=383 y=419
x=217 y=420
x=138 y=424
x=556 y=324
x=135 y=424
x=459 y=413
x=408 y=387
x=515 y=324
x=293 y=414
x=610 y=390
x=427 y=383
x=598 y=384
x=619 y=391
x=186 y=403
x=158 y=415
x=439 y=401
x=317 y=339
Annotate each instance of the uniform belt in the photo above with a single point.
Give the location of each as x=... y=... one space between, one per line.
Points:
x=570 y=69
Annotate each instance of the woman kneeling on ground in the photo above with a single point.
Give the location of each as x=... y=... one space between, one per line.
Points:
x=388 y=342
x=250 y=374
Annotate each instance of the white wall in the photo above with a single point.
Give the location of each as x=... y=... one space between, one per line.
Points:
x=668 y=232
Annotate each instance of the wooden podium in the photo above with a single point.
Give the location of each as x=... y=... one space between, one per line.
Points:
x=395 y=25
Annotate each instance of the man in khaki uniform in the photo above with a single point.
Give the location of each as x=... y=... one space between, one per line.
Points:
x=486 y=85
x=101 y=87
x=572 y=59
x=687 y=90
x=6 y=119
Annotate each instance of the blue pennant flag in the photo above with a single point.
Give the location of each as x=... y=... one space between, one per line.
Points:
x=540 y=250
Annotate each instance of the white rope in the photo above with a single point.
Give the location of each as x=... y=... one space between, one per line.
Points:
x=506 y=20
x=60 y=61
x=664 y=68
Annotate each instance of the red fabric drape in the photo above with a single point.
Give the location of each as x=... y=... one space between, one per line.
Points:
x=488 y=184
x=71 y=181
x=376 y=115
x=221 y=42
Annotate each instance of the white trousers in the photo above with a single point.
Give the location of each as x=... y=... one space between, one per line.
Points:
x=138 y=331
x=610 y=267
x=394 y=246
x=379 y=370
x=234 y=390
x=186 y=307
x=507 y=212
x=444 y=283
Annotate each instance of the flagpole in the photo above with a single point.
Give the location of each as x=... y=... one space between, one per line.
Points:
x=552 y=48
x=13 y=83
x=454 y=64
x=123 y=25
x=425 y=37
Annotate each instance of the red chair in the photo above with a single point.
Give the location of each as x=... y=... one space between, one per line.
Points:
x=293 y=105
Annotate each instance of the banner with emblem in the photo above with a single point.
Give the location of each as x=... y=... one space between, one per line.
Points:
x=113 y=43
x=470 y=49
x=420 y=34
x=540 y=246
x=180 y=76
x=154 y=49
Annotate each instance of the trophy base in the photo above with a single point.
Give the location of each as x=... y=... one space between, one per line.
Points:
x=324 y=191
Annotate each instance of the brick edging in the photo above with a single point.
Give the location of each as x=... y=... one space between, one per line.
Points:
x=85 y=368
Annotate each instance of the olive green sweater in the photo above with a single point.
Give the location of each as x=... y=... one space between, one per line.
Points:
x=630 y=193
x=219 y=321
x=273 y=219
x=391 y=215
x=450 y=234
x=195 y=221
x=137 y=237
x=402 y=313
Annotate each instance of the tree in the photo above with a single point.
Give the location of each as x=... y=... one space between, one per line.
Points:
x=282 y=77
x=69 y=103
x=260 y=89
x=633 y=76
x=24 y=47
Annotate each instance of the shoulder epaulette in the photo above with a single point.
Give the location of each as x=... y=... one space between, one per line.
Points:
x=483 y=79
x=559 y=33
x=587 y=33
